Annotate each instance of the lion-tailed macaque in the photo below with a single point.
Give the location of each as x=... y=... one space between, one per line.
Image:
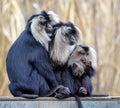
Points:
x=83 y=64
x=65 y=38
x=28 y=61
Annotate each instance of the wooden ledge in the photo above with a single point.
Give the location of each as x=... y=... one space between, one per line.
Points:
x=108 y=98
x=51 y=102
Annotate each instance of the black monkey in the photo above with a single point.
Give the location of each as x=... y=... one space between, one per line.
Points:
x=82 y=64
x=81 y=67
x=27 y=62
x=65 y=38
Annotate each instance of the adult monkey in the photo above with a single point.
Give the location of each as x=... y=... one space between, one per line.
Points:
x=65 y=38
x=27 y=62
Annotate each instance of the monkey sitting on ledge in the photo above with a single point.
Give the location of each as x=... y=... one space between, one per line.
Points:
x=82 y=64
x=65 y=38
x=27 y=62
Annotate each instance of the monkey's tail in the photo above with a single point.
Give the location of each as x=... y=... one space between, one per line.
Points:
x=30 y=96
x=51 y=92
x=78 y=101
x=99 y=95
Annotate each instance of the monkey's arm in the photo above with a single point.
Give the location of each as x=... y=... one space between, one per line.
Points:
x=42 y=64
x=87 y=84
x=90 y=71
x=40 y=61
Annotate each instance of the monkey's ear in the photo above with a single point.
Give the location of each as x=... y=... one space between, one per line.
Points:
x=44 y=13
x=30 y=19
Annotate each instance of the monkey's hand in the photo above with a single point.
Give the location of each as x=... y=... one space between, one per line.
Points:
x=62 y=92
x=82 y=91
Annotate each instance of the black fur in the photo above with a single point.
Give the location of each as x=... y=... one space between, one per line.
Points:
x=28 y=66
x=74 y=83
x=67 y=79
x=64 y=74
x=86 y=48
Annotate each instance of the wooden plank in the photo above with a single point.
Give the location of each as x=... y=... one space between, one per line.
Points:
x=51 y=102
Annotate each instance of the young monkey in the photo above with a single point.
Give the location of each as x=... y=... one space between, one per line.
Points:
x=83 y=59
x=83 y=64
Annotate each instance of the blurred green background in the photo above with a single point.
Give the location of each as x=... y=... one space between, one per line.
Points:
x=99 y=21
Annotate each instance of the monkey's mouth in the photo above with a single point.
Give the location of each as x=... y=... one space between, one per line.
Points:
x=83 y=61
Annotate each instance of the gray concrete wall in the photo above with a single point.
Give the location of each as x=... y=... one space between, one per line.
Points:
x=50 y=102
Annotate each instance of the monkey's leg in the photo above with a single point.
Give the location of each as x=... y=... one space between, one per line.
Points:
x=63 y=92
x=86 y=86
x=14 y=90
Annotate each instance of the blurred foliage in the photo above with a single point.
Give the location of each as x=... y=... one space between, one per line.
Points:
x=99 y=21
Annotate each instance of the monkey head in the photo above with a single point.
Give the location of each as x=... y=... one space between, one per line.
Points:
x=66 y=37
x=40 y=25
x=82 y=57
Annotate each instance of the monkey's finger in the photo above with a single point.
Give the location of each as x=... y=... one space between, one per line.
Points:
x=83 y=90
x=65 y=90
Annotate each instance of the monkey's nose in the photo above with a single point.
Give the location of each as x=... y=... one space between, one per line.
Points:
x=83 y=60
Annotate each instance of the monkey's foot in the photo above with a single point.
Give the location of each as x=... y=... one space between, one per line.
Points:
x=62 y=92
x=53 y=91
x=82 y=91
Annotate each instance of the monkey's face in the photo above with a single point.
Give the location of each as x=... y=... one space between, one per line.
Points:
x=78 y=59
x=64 y=41
x=39 y=25
x=80 y=54
x=82 y=57
x=41 y=21
x=66 y=34
x=87 y=56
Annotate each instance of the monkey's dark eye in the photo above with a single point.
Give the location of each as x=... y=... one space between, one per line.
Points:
x=71 y=31
x=82 y=53
x=41 y=17
x=42 y=20
x=87 y=53
x=72 y=40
